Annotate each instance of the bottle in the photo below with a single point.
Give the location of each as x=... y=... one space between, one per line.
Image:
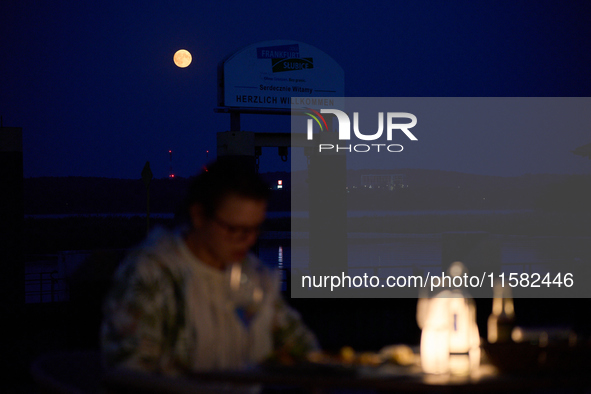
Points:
x=450 y=342
x=464 y=339
x=502 y=319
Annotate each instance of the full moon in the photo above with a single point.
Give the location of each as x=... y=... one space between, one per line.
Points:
x=182 y=58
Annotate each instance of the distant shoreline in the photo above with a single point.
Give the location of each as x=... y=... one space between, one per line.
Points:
x=295 y=214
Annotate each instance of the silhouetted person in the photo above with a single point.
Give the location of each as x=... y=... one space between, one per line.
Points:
x=195 y=298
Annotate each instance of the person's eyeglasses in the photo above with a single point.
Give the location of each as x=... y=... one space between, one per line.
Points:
x=235 y=231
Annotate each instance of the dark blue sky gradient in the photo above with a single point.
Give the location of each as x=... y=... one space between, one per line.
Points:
x=95 y=90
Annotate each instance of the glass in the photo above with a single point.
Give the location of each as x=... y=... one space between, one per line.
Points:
x=246 y=291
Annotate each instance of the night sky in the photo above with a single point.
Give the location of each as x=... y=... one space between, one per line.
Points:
x=94 y=87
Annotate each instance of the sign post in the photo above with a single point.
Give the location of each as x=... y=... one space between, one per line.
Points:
x=274 y=77
x=147 y=178
x=269 y=75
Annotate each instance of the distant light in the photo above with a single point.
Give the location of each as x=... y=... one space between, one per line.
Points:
x=169 y=151
x=172 y=175
x=280 y=182
x=517 y=334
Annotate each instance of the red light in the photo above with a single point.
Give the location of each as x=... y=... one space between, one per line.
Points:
x=280 y=182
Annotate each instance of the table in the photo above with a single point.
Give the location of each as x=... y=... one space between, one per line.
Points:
x=82 y=372
x=385 y=379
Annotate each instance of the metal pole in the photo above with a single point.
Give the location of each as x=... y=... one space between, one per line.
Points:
x=147 y=178
x=148 y=211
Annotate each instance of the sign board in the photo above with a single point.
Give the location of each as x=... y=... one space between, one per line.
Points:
x=272 y=74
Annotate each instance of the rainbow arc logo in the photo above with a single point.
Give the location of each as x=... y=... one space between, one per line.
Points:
x=317 y=117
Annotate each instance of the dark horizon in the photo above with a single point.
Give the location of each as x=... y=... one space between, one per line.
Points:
x=423 y=189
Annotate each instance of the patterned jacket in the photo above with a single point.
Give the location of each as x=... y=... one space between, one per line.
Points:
x=168 y=312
